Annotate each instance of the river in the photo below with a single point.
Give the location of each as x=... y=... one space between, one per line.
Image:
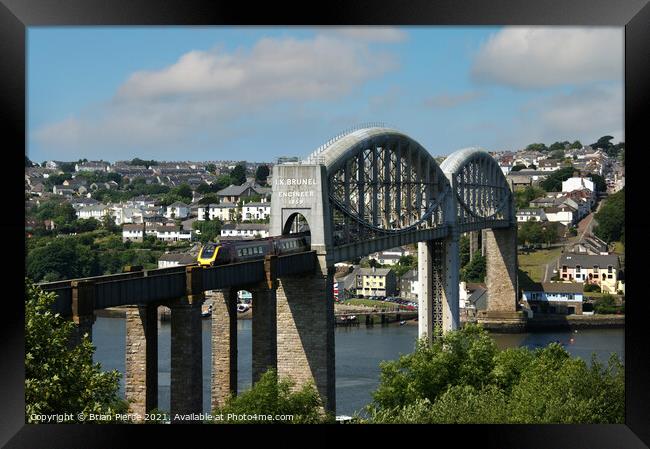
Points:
x=359 y=350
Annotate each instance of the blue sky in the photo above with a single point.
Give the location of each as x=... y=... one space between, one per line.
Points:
x=253 y=93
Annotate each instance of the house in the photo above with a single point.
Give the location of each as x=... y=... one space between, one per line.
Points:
x=389 y=256
x=256 y=211
x=562 y=214
x=92 y=166
x=577 y=183
x=133 y=232
x=549 y=165
x=233 y=193
x=78 y=203
x=224 y=211
x=590 y=269
x=409 y=287
x=591 y=245
x=142 y=201
x=375 y=282
x=524 y=215
x=245 y=230
x=177 y=210
x=97 y=212
x=563 y=298
x=173 y=233
x=63 y=190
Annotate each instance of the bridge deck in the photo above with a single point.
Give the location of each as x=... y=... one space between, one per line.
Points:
x=163 y=284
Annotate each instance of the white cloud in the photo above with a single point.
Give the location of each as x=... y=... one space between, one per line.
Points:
x=205 y=95
x=446 y=100
x=531 y=57
x=587 y=114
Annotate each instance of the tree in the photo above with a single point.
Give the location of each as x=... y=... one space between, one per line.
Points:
x=599 y=182
x=262 y=173
x=610 y=218
x=138 y=161
x=557 y=154
x=222 y=182
x=209 y=199
x=576 y=145
x=525 y=196
x=464 y=378
x=531 y=232
x=275 y=397
x=518 y=167
x=537 y=147
x=67 y=167
x=60 y=379
x=184 y=191
x=208 y=229
x=238 y=175
x=62 y=258
x=463 y=245
x=554 y=181
x=404 y=264
x=211 y=168
x=475 y=270
x=28 y=163
x=204 y=188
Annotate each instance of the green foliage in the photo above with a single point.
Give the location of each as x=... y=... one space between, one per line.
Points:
x=599 y=182
x=518 y=167
x=475 y=270
x=62 y=258
x=537 y=147
x=554 y=181
x=56 y=180
x=138 y=161
x=535 y=232
x=59 y=378
x=273 y=397
x=606 y=304
x=209 y=199
x=223 y=181
x=463 y=378
x=67 y=167
x=238 y=174
x=591 y=288
x=211 y=168
x=464 y=250
x=576 y=145
x=204 y=188
x=525 y=196
x=262 y=173
x=99 y=176
x=28 y=163
x=209 y=229
x=610 y=218
x=557 y=154
x=405 y=264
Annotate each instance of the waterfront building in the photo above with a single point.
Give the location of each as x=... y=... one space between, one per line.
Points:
x=375 y=282
x=591 y=269
x=563 y=298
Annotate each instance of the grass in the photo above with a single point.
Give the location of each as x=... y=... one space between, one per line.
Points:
x=619 y=248
x=369 y=303
x=535 y=262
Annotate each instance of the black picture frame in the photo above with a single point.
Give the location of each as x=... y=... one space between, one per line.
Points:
x=634 y=15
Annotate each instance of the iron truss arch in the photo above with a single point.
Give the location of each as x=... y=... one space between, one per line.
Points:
x=382 y=184
x=481 y=191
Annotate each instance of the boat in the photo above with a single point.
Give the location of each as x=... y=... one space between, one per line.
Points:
x=207 y=313
x=402 y=323
x=241 y=308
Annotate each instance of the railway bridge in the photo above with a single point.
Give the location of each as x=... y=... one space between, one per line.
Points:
x=369 y=189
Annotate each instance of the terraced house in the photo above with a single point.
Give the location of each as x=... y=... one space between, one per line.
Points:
x=375 y=282
x=590 y=269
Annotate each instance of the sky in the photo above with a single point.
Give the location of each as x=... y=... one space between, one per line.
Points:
x=257 y=93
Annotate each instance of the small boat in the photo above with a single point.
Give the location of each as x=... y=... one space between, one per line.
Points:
x=241 y=308
x=402 y=323
x=207 y=313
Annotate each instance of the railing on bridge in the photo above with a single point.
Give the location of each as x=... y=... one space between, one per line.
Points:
x=163 y=284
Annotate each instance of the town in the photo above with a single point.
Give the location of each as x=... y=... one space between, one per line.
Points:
x=157 y=214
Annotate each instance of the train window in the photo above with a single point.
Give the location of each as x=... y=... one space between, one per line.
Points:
x=239 y=252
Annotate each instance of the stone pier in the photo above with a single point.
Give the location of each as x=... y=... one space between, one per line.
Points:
x=501 y=281
x=265 y=354
x=224 y=347
x=141 y=377
x=305 y=331
x=186 y=389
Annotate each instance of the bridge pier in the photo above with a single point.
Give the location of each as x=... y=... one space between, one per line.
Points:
x=501 y=281
x=141 y=377
x=186 y=389
x=224 y=347
x=264 y=325
x=83 y=315
x=438 y=275
x=305 y=332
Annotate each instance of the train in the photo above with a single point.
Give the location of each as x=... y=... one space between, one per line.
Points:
x=212 y=253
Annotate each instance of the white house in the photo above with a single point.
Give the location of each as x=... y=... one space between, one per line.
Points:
x=96 y=212
x=177 y=210
x=134 y=232
x=256 y=211
x=577 y=183
x=562 y=214
x=245 y=230
x=524 y=215
x=224 y=211
x=173 y=234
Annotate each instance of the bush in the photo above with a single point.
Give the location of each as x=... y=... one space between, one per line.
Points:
x=463 y=378
x=592 y=288
x=60 y=379
x=273 y=397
